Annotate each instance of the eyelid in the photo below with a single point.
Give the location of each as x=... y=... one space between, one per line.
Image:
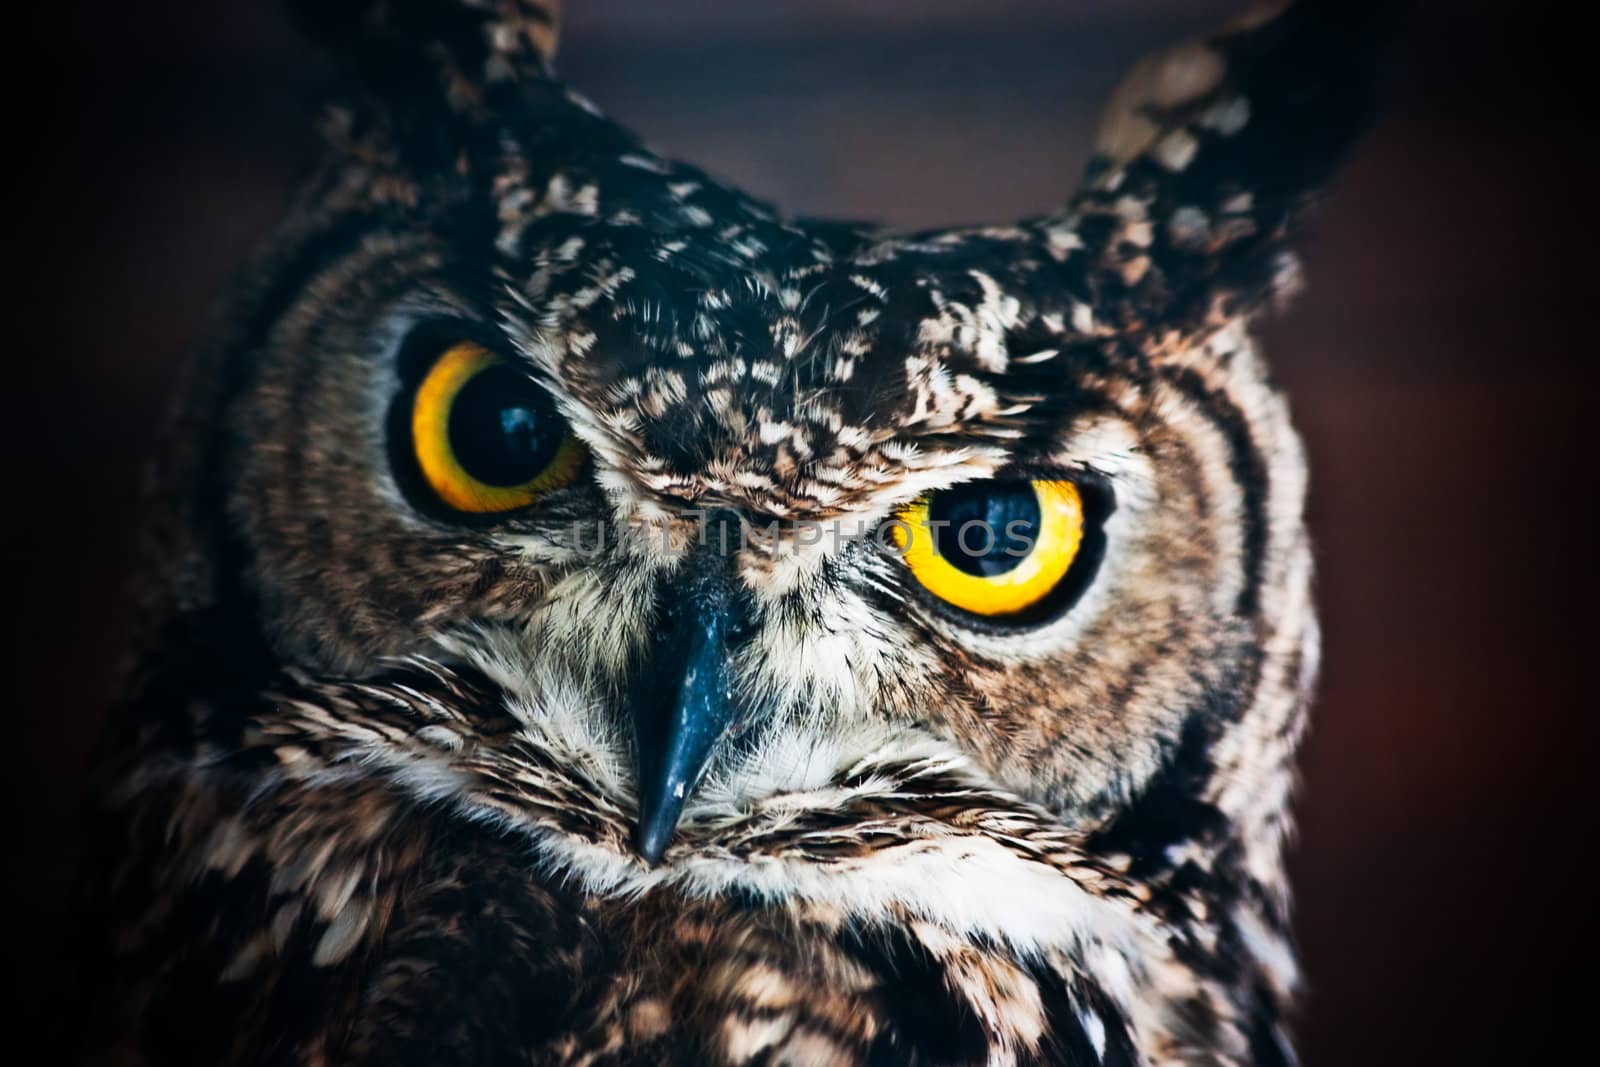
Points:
x=1087 y=479
x=1047 y=470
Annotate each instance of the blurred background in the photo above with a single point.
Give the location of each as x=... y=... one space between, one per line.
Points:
x=1435 y=366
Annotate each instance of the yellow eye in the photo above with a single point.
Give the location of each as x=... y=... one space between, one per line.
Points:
x=993 y=548
x=486 y=436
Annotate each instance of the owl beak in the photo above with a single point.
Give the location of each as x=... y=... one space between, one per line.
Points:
x=686 y=706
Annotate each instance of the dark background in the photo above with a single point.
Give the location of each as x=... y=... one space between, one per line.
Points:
x=1436 y=366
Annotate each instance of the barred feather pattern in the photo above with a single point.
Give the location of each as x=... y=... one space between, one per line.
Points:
x=370 y=796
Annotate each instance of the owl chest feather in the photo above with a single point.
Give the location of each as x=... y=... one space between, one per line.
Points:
x=438 y=885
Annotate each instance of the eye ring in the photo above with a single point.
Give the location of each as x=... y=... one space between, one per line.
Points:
x=485 y=437
x=978 y=580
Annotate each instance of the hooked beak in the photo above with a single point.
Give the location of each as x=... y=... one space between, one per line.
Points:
x=685 y=707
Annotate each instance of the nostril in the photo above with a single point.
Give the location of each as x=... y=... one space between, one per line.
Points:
x=722 y=530
x=703 y=589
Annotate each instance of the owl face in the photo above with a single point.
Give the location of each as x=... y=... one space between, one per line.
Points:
x=731 y=499
x=592 y=613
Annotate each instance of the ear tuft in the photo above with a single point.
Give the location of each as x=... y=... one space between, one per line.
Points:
x=421 y=56
x=1208 y=151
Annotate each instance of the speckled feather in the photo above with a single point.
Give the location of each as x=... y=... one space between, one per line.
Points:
x=370 y=796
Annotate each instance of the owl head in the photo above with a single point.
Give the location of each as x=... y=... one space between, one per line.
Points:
x=725 y=509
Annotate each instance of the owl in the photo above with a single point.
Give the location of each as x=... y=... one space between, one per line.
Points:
x=591 y=617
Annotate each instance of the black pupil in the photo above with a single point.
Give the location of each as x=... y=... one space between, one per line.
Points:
x=504 y=430
x=985 y=529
